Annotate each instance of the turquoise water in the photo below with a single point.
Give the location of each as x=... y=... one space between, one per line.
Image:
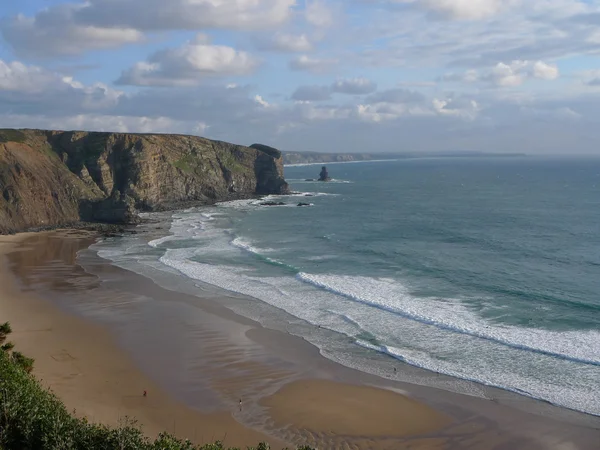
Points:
x=482 y=269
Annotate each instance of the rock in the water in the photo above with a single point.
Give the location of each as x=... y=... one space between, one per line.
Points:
x=324 y=175
x=272 y=204
x=304 y=204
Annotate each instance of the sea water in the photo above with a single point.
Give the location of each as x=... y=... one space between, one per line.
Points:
x=484 y=269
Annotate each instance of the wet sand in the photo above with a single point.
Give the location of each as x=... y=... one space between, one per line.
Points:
x=102 y=335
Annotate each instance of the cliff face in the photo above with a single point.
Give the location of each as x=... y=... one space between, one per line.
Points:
x=50 y=178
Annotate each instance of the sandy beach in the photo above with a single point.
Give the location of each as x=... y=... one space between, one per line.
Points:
x=101 y=337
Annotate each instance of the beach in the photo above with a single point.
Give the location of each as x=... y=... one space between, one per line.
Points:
x=101 y=336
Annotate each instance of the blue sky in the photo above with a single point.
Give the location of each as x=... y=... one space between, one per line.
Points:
x=315 y=75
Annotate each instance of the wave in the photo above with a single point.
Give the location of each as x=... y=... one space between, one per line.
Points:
x=249 y=248
x=312 y=194
x=388 y=295
x=396 y=353
x=157 y=242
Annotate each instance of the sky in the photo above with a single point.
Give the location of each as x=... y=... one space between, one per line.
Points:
x=311 y=75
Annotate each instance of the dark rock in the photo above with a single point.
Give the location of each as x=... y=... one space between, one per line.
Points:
x=272 y=204
x=324 y=175
x=273 y=152
x=304 y=204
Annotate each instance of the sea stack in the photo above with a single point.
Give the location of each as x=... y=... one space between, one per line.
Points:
x=324 y=175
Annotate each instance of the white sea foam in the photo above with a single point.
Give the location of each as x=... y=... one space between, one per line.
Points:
x=324 y=307
x=247 y=246
x=157 y=242
x=438 y=334
x=388 y=294
x=564 y=394
x=313 y=194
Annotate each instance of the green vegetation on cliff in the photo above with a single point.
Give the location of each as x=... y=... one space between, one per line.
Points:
x=33 y=418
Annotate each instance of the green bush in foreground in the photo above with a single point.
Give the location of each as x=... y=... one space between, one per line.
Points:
x=32 y=417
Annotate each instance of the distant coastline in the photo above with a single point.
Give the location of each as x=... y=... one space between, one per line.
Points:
x=291 y=159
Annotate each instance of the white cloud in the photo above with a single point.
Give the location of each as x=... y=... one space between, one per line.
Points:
x=407 y=36
x=262 y=102
x=507 y=74
x=188 y=65
x=316 y=65
x=188 y=14
x=545 y=71
x=354 y=86
x=55 y=32
x=467 y=9
x=98 y=122
x=463 y=108
x=317 y=13
x=285 y=42
x=69 y=29
x=396 y=95
x=510 y=74
x=382 y=112
x=24 y=88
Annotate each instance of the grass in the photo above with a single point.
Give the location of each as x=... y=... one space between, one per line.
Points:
x=229 y=161
x=186 y=163
x=190 y=163
x=34 y=418
x=10 y=135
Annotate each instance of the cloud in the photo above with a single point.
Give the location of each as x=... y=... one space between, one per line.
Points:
x=397 y=95
x=95 y=122
x=461 y=107
x=467 y=9
x=55 y=32
x=312 y=93
x=25 y=89
x=354 y=86
x=317 y=13
x=71 y=29
x=285 y=42
x=545 y=71
x=188 y=65
x=561 y=113
x=406 y=35
x=315 y=65
x=152 y=15
x=510 y=74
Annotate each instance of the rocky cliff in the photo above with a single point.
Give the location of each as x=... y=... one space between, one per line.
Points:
x=51 y=178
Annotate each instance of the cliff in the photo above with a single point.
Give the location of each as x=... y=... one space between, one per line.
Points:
x=52 y=178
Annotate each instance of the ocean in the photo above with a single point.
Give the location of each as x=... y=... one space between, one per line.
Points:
x=483 y=269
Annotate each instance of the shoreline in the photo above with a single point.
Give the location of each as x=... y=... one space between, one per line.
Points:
x=240 y=356
x=81 y=362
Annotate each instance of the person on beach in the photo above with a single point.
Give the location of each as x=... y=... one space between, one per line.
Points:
x=145 y=393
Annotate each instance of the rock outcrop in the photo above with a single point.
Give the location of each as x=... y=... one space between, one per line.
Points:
x=324 y=175
x=54 y=178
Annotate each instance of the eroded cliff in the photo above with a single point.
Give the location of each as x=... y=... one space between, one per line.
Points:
x=51 y=178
